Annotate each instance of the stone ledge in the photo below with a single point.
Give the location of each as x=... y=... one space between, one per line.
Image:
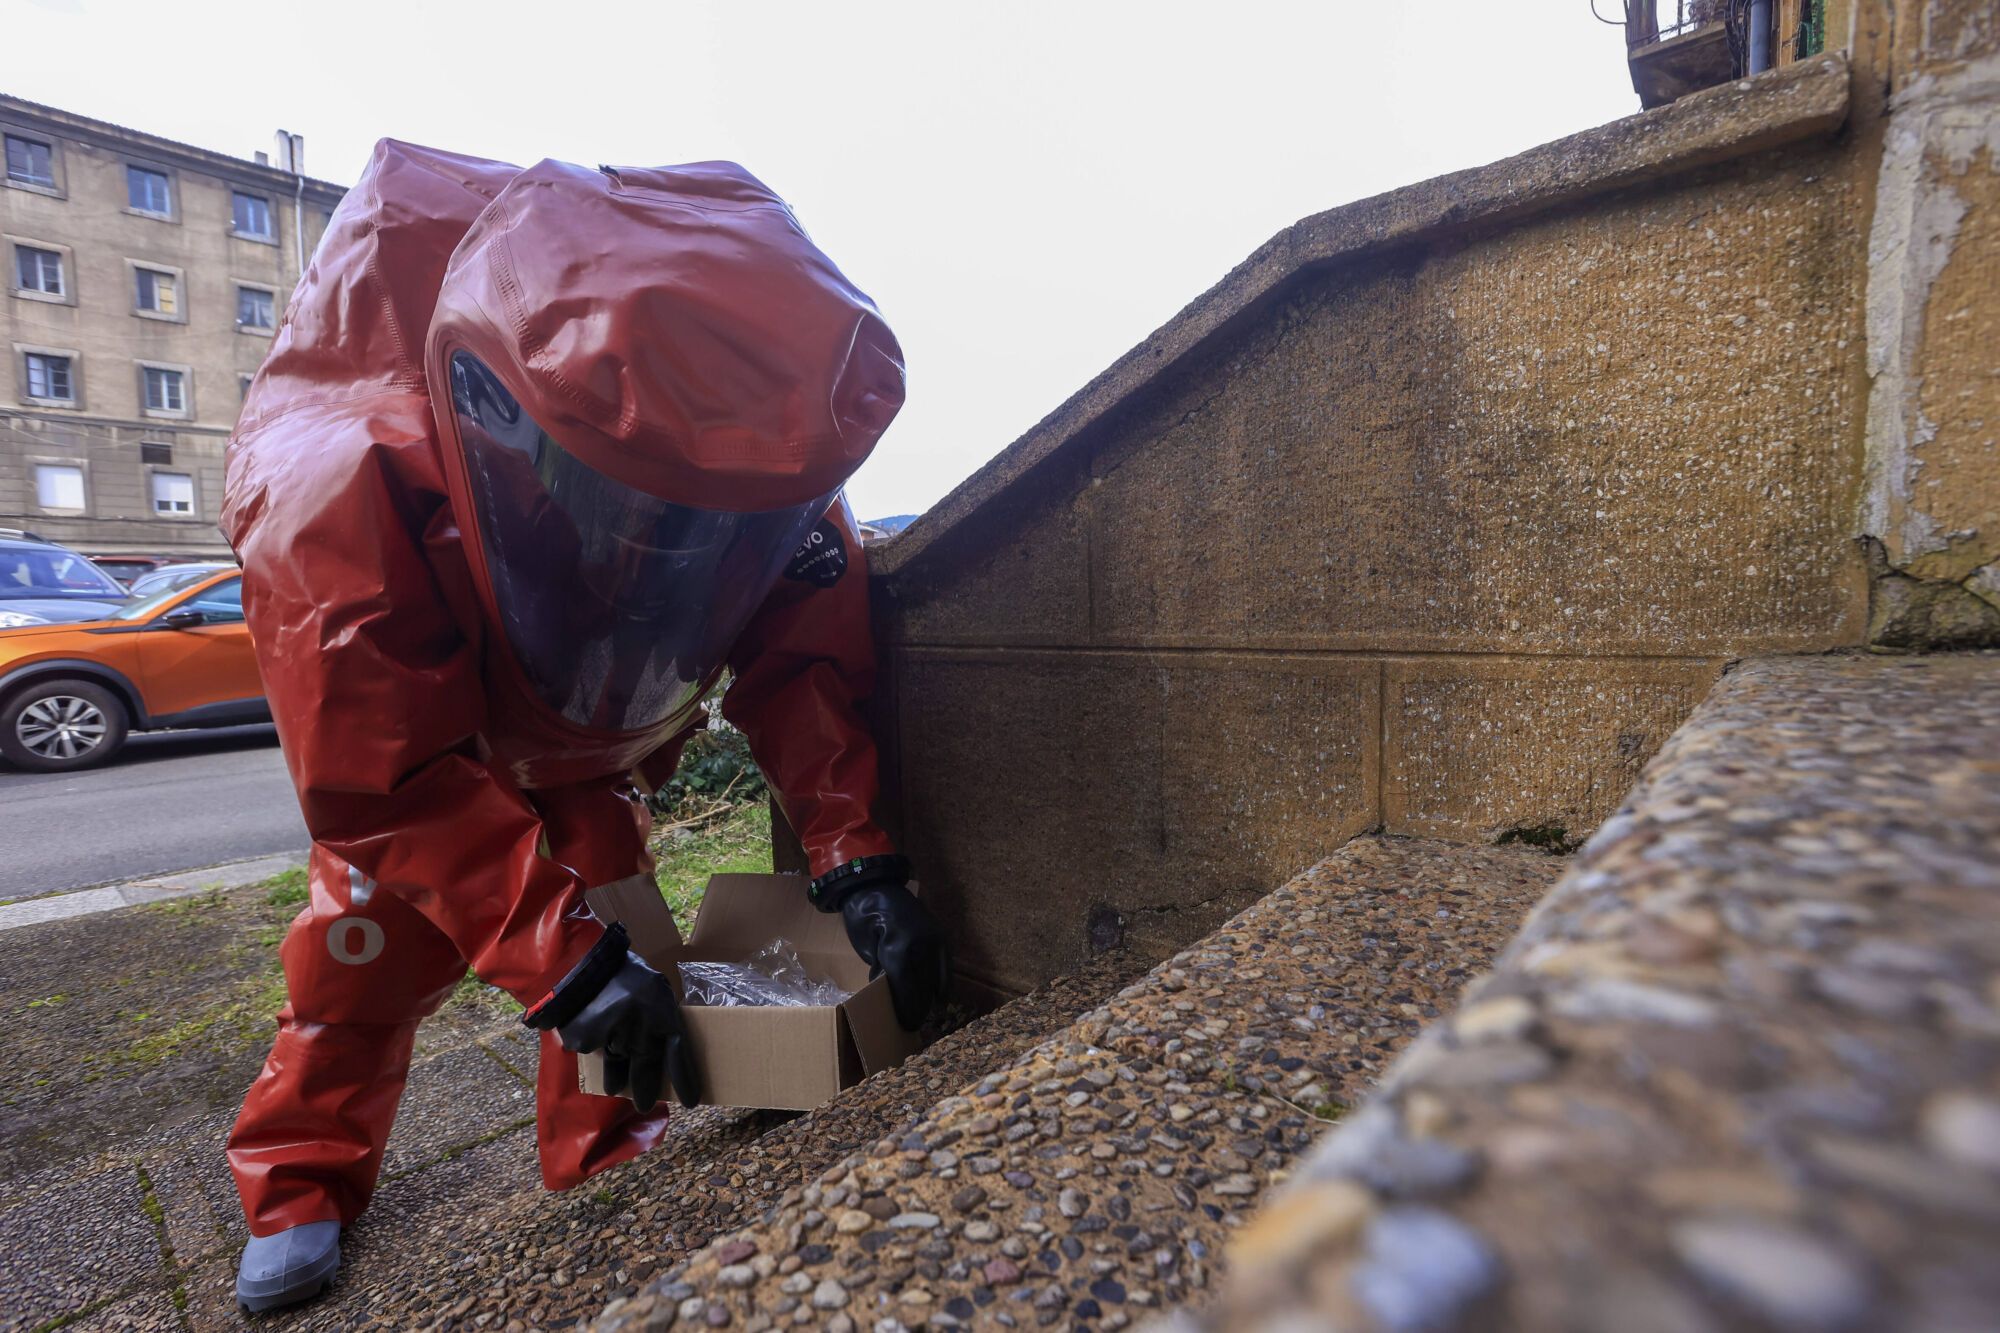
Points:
x=1795 y=102
x=1099 y=1176
x=1741 y=1068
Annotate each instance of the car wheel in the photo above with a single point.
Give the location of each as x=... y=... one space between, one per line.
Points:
x=55 y=725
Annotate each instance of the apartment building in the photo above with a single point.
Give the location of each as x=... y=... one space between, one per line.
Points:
x=145 y=279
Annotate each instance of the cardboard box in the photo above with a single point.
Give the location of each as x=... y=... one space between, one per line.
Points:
x=781 y=1057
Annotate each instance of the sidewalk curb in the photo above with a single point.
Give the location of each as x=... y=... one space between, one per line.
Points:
x=149 y=889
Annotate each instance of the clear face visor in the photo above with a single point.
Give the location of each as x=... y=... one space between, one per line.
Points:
x=618 y=605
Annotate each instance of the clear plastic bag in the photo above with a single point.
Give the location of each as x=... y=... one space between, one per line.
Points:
x=775 y=974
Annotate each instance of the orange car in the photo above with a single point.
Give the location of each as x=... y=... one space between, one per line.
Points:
x=69 y=694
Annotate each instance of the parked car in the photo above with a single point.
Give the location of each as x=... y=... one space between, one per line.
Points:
x=126 y=568
x=168 y=577
x=70 y=694
x=42 y=583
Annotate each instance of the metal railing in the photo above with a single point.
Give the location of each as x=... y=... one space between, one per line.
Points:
x=1650 y=21
x=1756 y=29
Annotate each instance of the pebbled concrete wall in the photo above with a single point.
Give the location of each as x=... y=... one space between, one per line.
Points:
x=1735 y=1072
x=1441 y=533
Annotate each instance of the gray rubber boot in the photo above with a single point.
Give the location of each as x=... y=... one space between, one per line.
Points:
x=294 y=1265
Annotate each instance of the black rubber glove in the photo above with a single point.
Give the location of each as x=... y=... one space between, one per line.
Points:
x=615 y=1003
x=893 y=933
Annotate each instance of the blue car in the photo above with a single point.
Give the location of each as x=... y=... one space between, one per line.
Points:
x=42 y=583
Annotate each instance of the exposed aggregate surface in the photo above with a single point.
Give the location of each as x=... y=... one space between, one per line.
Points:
x=1100 y=1176
x=476 y=1243
x=1740 y=1071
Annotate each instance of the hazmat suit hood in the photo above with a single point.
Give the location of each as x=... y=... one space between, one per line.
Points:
x=360 y=316
x=334 y=500
x=650 y=387
x=682 y=341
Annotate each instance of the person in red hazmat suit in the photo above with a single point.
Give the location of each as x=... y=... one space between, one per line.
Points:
x=536 y=457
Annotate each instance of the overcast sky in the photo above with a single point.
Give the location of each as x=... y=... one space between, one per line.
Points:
x=1027 y=189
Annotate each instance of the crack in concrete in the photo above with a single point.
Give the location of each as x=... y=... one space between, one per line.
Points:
x=458 y=1150
x=503 y=1062
x=1161 y=909
x=171 y=1276
x=171 y=1268
x=1909 y=611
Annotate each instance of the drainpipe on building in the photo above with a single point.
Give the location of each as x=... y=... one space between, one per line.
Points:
x=299 y=199
x=1759 y=44
x=292 y=157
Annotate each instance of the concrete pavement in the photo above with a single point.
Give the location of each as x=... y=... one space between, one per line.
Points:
x=169 y=802
x=151 y=889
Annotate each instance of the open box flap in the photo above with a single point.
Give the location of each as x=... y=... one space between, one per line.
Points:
x=880 y=1041
x=741 y=914
x=635 y=902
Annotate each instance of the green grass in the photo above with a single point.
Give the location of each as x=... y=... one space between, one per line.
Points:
x=736 y=842
x=240 y=1015
x=287 y=888
x=472 y=993
x=241 y=1018
x=194 y=904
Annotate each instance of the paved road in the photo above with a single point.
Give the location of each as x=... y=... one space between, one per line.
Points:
x=171 y=801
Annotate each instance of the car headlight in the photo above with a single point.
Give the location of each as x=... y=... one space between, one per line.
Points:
x=16 y=619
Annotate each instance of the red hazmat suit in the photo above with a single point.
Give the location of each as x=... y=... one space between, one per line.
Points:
x=469 y=749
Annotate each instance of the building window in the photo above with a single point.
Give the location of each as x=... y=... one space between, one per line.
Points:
x=155 y=451
x=38 y=270
x=157 y=292
x=49 y=378
x=166 y=390
x=58 y=486
x=255 y=308
x=173 y=493
x=250 y=215
x=147 y=191
x=31 y=162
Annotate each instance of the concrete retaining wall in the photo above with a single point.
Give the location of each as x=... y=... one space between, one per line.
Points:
x=1442 y=509
x=1437 y=515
